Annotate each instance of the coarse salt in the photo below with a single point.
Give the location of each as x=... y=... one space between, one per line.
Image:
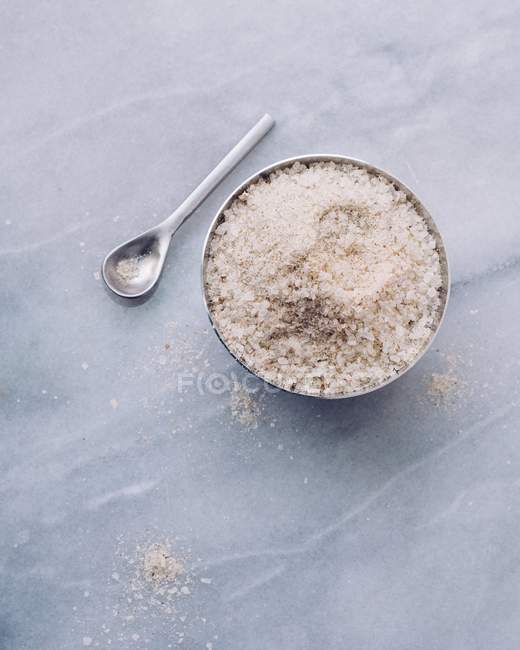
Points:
x=324 y=279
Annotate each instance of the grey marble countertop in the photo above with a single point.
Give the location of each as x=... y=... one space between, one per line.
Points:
x=390 y=521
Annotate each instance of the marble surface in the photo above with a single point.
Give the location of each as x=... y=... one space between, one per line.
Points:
x=389 y=521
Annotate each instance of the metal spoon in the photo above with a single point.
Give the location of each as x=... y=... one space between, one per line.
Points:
x=132 y=269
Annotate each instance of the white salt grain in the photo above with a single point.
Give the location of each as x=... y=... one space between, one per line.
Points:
x=128 y=268
x=324 y=279
x=159 y=566
x=442 y=385
x=245 y=406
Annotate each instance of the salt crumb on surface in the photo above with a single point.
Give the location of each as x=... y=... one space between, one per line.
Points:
x=245 y=405
x=114 y=403
x=441 y=385
x=444 y=387
x=324 y=279
x=159 y=565
x=153 y=583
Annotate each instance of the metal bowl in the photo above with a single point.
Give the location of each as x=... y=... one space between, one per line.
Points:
x=421 y=210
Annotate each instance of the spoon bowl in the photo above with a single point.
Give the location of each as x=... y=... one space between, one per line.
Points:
x=134 y=267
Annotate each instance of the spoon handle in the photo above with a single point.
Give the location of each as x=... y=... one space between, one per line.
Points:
x=241 y=149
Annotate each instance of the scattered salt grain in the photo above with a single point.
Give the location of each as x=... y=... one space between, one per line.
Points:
x=114 y=403
x=151 y=577
x=244 y=405
x=128 y=268
x=442 y=385
x=445 y=387
x=159 y=565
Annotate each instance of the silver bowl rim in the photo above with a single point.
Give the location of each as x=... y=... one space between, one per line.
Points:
x=412 y=197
